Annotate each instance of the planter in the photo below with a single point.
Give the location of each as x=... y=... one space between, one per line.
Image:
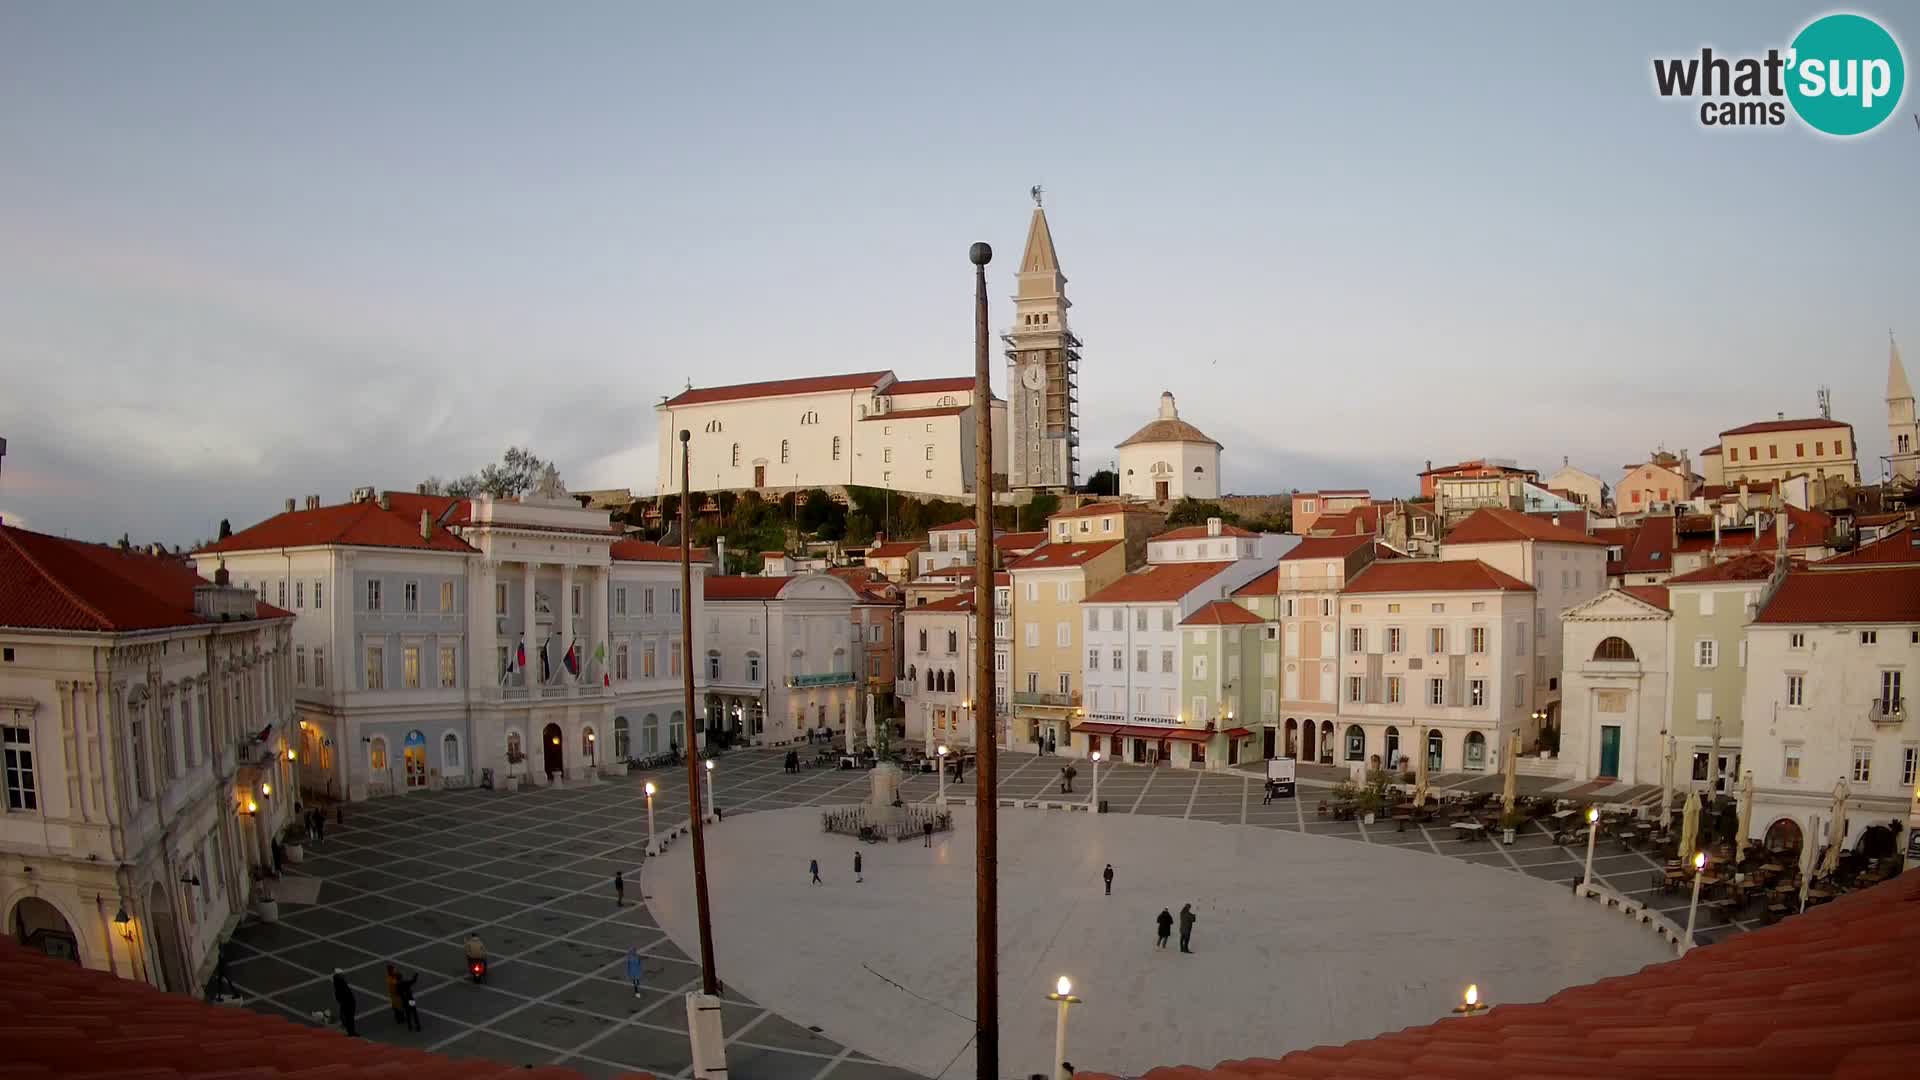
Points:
x=1506 y=836
x=268 y=911
x=295 y=852
x=618 y=768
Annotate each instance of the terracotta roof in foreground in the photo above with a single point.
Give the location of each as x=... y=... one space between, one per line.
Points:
x=823 y=384
x=1434 y=575
x=361 y=524
x=961 y=384
x=1019 y=541
x=51 y=583
x=60 y=1019
x=1864 y=594
x=948 y=604
x=1652 y=594
x=1752 y=566
x=963 y=525
x=1495 y=526
x=1833 y=992
x=1158 y=583
x=647 y=551
x=1899 y=546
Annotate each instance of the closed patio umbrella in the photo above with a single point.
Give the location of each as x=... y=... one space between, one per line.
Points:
x=1666 y=783
x=1746 y=816
x=1713 y=761
x=1420 y=769
x=1690 y=828
x=1836 y=829
x=1507 y=767
x=1809 y=848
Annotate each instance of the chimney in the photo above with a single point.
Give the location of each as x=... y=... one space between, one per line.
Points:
x=1779 y=416
x=289 y=506
x=1743 y=496
x=720 y=554
x=1780 y=530
x=221 y=577
x=426 y=526
x=1213 y=526
x=1716 y=527
x=385 y=503
x=313 y=502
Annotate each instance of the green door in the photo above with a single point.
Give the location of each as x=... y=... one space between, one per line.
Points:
x=1610 y=751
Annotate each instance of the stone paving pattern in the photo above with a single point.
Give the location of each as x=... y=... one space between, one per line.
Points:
x=407 y=877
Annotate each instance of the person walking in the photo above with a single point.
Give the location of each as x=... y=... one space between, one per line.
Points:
x=1186 y=927
x=928 y=826
x=222 y=979
x=619 y=890
x=1267 y=796
x=813 y=867
x=857 y=879
x=1108 y=876
x=343 y=997
x=1165 y=922
x=412 y=1015
x=319 y=827
x=635 y=969
x=393 y=995
x=279 y=853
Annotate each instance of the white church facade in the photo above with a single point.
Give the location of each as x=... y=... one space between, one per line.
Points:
x=1169 y=459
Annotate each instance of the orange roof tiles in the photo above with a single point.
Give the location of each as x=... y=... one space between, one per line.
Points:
x=734 y=587
x=1055 y=556
x=50 y=583
x=958 y=385
x=1357 y=521
x=1158 y=583
x=1326 y=547
x=1016 y=541
x=1495 y=526
x=1199 y=532
x=1899 y=546
x=1805 y=529
x=1267 y=584
x=898 y=550
x=1863 y=594
x=1832 y=992
x=60 y=1019
x=963 y=525
x=1432 y=575
x=823 y=384
x=361 y=524
x=1221 y=613
x=1785 y=425
x=1714 y=450
x=1651 y=551
x=1752 y=566
x=1652 y=594
x=957 y=602
x=1476 y=463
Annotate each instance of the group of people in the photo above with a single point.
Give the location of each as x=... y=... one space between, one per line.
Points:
x=399 y=995
x=1162 y=922
x=792 y=762
x=859 y=865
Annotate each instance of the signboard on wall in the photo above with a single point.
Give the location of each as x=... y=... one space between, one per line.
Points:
x=1281 y=774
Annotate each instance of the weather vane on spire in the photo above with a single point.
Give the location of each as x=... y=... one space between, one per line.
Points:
x=1036 y=192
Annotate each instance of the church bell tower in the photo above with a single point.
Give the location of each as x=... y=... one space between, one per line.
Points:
x=1043 y=362
x=1903 y=434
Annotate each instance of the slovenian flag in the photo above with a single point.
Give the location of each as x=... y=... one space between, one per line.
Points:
x=520 y=653
x=572 y=659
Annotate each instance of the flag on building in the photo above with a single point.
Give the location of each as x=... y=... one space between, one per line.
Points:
x=572 y=659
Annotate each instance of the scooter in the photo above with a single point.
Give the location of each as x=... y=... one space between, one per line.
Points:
x=477 y=969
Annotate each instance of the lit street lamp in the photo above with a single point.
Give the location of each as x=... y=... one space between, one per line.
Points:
x=1693 y=906
x=1470 y=1003
x=1063 y=994
x=941 y=768
x=711 y=804
x=1593 y=830
x=1096 y=780
x=653 y=847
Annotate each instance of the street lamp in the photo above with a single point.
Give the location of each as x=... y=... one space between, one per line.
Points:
x=1063 y=995
x=711 y=804
x=941 y=768
x=653 y=848
x=1096 y=779
x=1470 y=1003
x=1693 y=906
x=1593 y=830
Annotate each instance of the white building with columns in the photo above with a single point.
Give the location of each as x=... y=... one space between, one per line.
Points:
x=782 y=657
x=145 y=717
x=412 y=614
x=1615 y=683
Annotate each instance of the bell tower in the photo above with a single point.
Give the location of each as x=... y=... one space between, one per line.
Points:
x=1903 y=435
x=1043 y=362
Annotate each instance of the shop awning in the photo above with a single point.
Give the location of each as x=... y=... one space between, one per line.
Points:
x=1239 y=732
x=1092 y=727
x=1196 y=735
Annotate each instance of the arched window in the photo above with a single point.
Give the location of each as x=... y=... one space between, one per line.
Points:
x=923 y=639
x=450 y=753
x=622 y=748
x=650 y=733
x=1476 y=751
x=675 y=725
x=953 y=642
x=1613 y=648
x=784 y=452
x=836 y=448
x=1356 y=743
x=913 y=673
x=714 y=426
x=736 y=455
x=1393 y=747
x=1326 y=742
x=377 y=754
x=1435 y=756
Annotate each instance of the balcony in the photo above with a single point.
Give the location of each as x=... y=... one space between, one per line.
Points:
x=1887 y=712
x=832 y=678
x=1049 y=700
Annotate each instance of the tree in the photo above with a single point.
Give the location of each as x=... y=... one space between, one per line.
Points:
x=1104 y=482
x=514 y=475
x=1195 y=512
x=226 y=528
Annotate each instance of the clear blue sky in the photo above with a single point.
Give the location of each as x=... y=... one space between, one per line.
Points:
x=253 y=251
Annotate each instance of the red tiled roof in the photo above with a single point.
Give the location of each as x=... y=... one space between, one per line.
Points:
x=361 y=524
x=956 y=602
x=1652 y=548
x=1575 y=520
x=1722 y=491
x=1433 y=575
x=1805 y=529
x=1832 y=992
x=1334 y=493
x=911 y=414
x=1199 y=532
x=958 y=385
x=1267 y=584
x=1015 y=541
x=1622 y=538
x=1054 y=556
x=1899 y=546
x=50 y=583
x=897 y=550
x=1326 y=547
x=1714 y=450
x=1752 y=566
x=963 y=525
x=441 y=508
x=1221 y=613
x=65 y=1020
x=1652 y=594
x=1108 y=507
x=1496 y=526
x=1359 y=521
x=1866 y=594
x=647 y=551
x=1159 y=582
x=1476 y=463
x=1785 y=425
x=735 y=587
x=778 y=388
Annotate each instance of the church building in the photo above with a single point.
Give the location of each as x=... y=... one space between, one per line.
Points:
x=1169 y=459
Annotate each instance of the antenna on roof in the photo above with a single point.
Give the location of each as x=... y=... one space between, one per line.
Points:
x=1826 y=398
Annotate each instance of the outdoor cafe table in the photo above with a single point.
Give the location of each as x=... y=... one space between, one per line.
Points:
x=1469 y=830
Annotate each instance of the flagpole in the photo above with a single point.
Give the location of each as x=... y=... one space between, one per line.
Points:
x=986 y=839
x=709 y=981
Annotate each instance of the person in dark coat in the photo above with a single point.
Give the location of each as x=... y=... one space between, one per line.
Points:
x=619 y=890
x=413 y=1008
x=1108 y=876
x=343 y=997
x=856 y=869
x=1165 y=922
x=319 y=826
x=279 y=854
x=928 y=826
x=813 y=867
x=1186 y=927
x=398 y=1003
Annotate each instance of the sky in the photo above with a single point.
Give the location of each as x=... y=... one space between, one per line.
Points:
x=251 y=252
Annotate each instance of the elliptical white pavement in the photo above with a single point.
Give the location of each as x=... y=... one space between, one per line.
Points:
x=1300 y=941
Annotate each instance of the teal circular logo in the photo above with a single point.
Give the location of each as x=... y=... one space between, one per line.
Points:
x=1845 y=74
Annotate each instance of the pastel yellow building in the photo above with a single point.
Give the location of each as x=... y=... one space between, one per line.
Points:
x=1048 y=586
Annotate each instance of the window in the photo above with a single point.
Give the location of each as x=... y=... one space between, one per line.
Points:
x=1863 y=764
x=282 y=602
x=1890 y=691
x=1799 y=449
x=299 y=665
x=1706 y=601
x=446 y=596
x=713 y=664
x=1166 y=661
x=887 y=454
x=1477 y=640
x=1790 y=761
x=929 y=453
x=1703 y=705
x=1393 y=689
x=783 y=452
x=1839 y=446
x=1519 y=638
x=1909 y=763
x=1819 y=446
x=1033 y=592
x=1140 y=618
x=319 y=666
x=1200 y=666
x=500 y=598
x=1436 y=691
x=1437 y=640
x=1706 y=653
x=1869 y=637
x=1393 y=609
x=1477 y=693
x=923 y=639
x=410 y=667
x=1033 y=635
x=836 y=448
x=1093 y=659
x=1357 y=639
x=1773 y=451
x=620 y=601
x=623 y=661
x=1066 y=683
x=1117 y=620
x=1356 y=743
x=373 y=595
x=299 y=595
x=673 y=598
x=1796 y=690
x=1062 y=592
x=410 y=596
x=1393 y=639
x=1355 y=688
x=1063 y=634
x=1326 y=607
x=377 y=754
x=376 y=668
x=736 y=455
x=1093 y=618
x=450 y=752
x=1613 y=648
x=1119 y=660
x=575 y=599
